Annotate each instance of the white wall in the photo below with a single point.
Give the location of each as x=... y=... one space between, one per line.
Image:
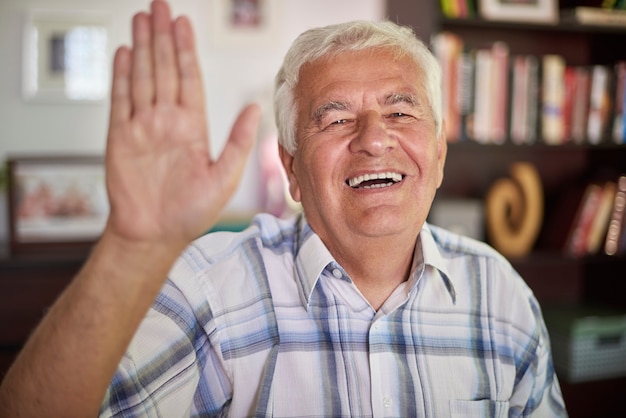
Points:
x=234 y=74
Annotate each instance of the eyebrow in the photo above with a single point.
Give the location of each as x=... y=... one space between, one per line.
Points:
x=319 y=113
x=390 y=99
x=395 y=98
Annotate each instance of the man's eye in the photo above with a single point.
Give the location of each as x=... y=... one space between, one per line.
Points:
x=399 y=115
x=340 y=122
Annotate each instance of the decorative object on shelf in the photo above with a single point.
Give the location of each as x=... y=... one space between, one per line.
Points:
x=514 y=210
x=536 y=11
x=463 y=216
x=56 y=203
x=595 y=16
x=66 y=57
x=588 y=342
x=245 y=23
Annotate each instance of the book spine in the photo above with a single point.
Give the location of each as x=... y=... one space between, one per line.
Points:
x=500 y=90
x=553 y=93
x=618 y=109
x=599 y=104
x=519 y=100
x=569 y=83
x=600 y=221
x=579 y=233
x=447 y=48
x=611 y=244
x=466 y=93
x=483 y=96
x=580 y=108
x=534 y=91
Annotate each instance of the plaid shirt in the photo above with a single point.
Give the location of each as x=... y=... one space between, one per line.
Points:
x=265 y=323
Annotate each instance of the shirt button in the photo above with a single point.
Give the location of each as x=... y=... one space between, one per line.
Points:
x=337 y=273
x=387 y=402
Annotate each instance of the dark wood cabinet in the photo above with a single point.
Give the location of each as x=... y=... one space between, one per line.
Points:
x=28 y=287
x=472 y=168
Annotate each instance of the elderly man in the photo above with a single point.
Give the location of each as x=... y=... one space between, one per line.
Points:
x=356 y=307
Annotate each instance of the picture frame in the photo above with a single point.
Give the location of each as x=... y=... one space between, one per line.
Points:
x=532 y=11
x=56 y=203
x=245 y=23
x=65 y=56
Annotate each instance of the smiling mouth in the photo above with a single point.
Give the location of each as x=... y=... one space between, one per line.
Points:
x=374 y=180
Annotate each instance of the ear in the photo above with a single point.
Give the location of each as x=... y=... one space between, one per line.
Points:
x=288 y=161
x=442 y=151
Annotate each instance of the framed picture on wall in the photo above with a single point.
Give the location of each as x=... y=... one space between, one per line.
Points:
x=66 y=56
x=535 y=11
x=245 y=22
x=56 y=203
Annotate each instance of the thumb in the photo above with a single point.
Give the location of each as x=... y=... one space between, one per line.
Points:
x=241 y=140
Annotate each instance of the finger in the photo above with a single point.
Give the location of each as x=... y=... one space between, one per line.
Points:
x=235 y=153
x=191 y=90
x=142 y=73
x=120 y=86
x=165 y=66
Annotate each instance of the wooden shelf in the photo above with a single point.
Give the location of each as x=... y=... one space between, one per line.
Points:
x=564 y=26
x=28 y=287
x=471 y=168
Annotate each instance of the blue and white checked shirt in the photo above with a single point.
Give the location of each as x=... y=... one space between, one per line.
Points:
x=265 y=323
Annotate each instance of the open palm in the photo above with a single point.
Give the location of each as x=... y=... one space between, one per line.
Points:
x=163 y=182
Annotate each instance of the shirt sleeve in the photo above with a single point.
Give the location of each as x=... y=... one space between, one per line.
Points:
x=160 y=373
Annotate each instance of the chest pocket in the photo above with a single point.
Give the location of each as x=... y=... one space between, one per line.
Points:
x=484 y=408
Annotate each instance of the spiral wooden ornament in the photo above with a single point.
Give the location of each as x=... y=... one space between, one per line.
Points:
x=514 y=210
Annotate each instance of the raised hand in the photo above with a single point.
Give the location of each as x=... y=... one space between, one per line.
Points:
x=164 y=189
x=163 y=183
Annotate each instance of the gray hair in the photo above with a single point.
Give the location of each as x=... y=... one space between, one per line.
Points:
x=330 y=40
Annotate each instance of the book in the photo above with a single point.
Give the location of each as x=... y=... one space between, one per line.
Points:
x=553 y=95
x=616 y=222
x=524 y=98
x=600 y=221
x=499 y=91
x=483 y=118
x=448 y=47
x=490 y=118
x=466 y=93
x=619 y=108
x=580 y=104
x=599 y=104
x=534 y=92
x=569 y=89
x=520 y=73
x=576 y=244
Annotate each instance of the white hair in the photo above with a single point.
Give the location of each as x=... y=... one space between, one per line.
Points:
x=330 y=40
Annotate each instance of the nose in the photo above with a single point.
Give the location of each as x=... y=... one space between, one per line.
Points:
x=372 y=136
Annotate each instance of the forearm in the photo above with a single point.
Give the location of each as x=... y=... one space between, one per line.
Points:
x=68 y=362
x=164 y=189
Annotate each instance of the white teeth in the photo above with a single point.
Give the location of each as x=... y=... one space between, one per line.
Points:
x=392 y=177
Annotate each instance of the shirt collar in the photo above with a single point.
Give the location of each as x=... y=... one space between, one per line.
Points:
x=432 y=257
x=312 y=257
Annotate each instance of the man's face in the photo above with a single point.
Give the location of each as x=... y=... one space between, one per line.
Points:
x=368 y=161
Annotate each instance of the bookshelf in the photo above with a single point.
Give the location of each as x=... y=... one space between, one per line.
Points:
x=472 y=167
